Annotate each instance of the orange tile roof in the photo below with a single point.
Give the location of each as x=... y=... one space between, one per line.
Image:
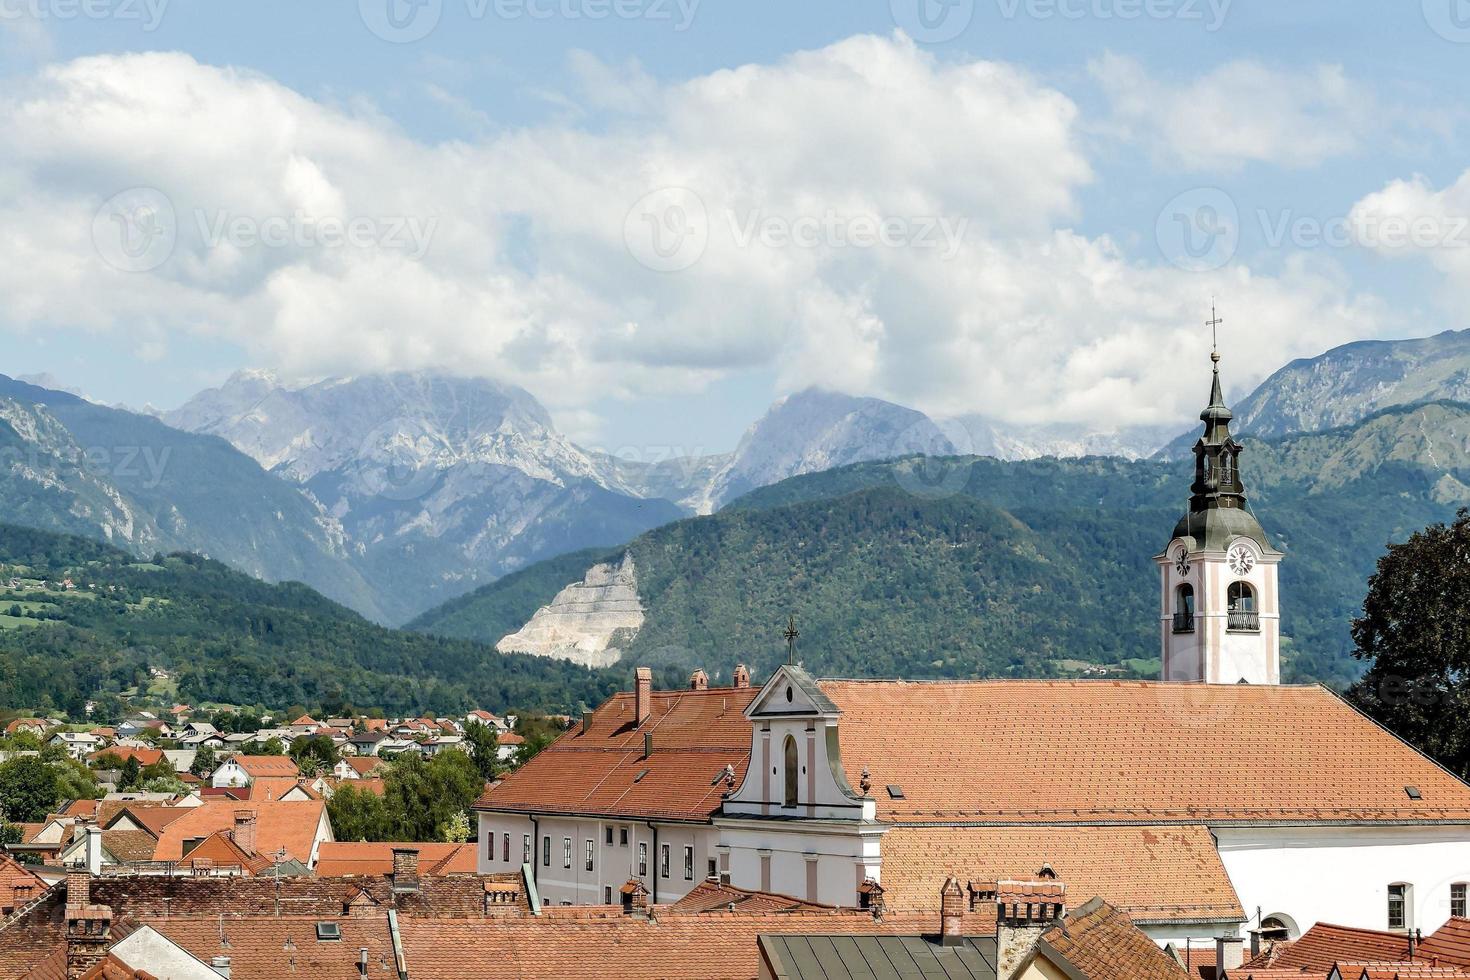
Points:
x=1317 y=949
x=711 y=896
x=275 y=787
x=1155 y=874
x=695 y=735
x=1393 y=970
x=1104 y=944
x=18 y=885
x=266 y=765
x=376 y=858
x=268 y=948
x=364 y=764
x=219 y=850
x=1449 y=944
x=1131 y=750
x=292 y=826
x=150 y=818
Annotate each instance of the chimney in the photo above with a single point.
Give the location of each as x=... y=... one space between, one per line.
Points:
x=635 y=898
x=1024 y=910
x=88 y=926
x=647 y=744
x=951 y=912
x=741 y=677
x=870 y=898
x=1229 y=953
x=405 y=870
x=586 y=722
x=1255 y=943
x=244 y=832
x=643 y=695
x=362 y=961
x=92 y=849
x=699 y=681
x=221 y=965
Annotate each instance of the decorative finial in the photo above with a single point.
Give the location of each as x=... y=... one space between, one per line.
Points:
x=791 y=634
x=866 y=783
x=729 y=775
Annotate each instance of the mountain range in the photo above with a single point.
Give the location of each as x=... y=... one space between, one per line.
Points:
x=397 y=493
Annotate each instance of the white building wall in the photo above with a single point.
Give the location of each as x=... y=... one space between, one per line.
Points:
x=613 y=864
x=1341 y=874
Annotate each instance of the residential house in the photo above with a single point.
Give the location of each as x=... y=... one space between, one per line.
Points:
x=433 y=746
x=357 y=767
x=481 y=717
x=508 y=744
x=77 y=744
x=293 y=829
x=19 y=886
x=242 y=770
x=366 y=742
x=36 y=726
x=145 y=756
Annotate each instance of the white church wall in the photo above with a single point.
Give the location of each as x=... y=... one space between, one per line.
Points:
x=1341 y=874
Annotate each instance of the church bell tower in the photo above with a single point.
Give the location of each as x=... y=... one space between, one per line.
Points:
x=1221 y=613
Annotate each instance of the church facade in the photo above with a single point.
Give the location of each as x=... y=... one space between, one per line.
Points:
x=1214 y=802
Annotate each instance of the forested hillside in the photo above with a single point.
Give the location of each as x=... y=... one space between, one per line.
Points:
x=223 y=636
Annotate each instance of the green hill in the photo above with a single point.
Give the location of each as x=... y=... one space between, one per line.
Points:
x=974 y=566
x=224 y=636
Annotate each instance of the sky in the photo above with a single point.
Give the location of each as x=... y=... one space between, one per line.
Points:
x=660 y=215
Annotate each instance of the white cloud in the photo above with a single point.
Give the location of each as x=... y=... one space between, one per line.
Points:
x=528 y=276
x=1242 y=112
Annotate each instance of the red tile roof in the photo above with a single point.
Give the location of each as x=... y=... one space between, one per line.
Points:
x=1155 y=874
x=364 y=764
x=292 y=826
x=1130 y=750
x=1449 y=944
x=1104 y=944
x=602 y=770
x=1317 y=949
x=18 y=885
x=276 y=787
x=145 y=757
x=711 y=896
x=266 y=765
x=376 y=858
x=219 y=850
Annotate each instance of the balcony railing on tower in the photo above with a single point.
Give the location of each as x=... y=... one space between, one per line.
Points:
x=1244 y=621
x=1184 y=622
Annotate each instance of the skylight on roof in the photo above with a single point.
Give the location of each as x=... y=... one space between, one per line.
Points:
x=895 y=791
x=639 y=778
x=326 y=931
x=1413 y=792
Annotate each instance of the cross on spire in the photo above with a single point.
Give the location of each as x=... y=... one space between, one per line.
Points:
x=791 y=633
x=1213 y=322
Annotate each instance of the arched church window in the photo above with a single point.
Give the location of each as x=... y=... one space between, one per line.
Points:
x=1227 y=463
x=789 y=751
x=1184 y=608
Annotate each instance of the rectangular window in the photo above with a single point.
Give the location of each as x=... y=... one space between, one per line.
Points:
x=688 y=864
x=663 y=860
x=1457 y=899
x=505 y=849
x=546 y=852
x=609 y=834
x=622 y=836
x=642 y=859
x=1396 y=906
x=566 y=852
x=525 y=848
x=590 y=846
x=711 y=867
x=606 y=894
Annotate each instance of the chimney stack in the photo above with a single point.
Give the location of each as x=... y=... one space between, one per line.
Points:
x=244 y=832
x=1229 y=953
x=88 y=926
x=741 y=677
x=221 y=965
x=405 y=870
x=1024 y=910
x=951 y=913
x=699 y=681
x=643 y=695
x=92 y=848
x=635 y=898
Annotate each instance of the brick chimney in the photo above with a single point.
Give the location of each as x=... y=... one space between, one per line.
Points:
x=1023 y=911
x=741 y=677
x=405 y=870
x=1229 y=953
x=699 y=681
x=244 y=831
x=635 y=898
x=88 y=926
x=642 y=695
x=870 y=897
x=951 y=913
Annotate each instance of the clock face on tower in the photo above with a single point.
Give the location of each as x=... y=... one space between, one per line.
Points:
x=1241 y=560
x=1181 y=561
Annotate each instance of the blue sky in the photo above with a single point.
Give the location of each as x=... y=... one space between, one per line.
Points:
x=1058 y=135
